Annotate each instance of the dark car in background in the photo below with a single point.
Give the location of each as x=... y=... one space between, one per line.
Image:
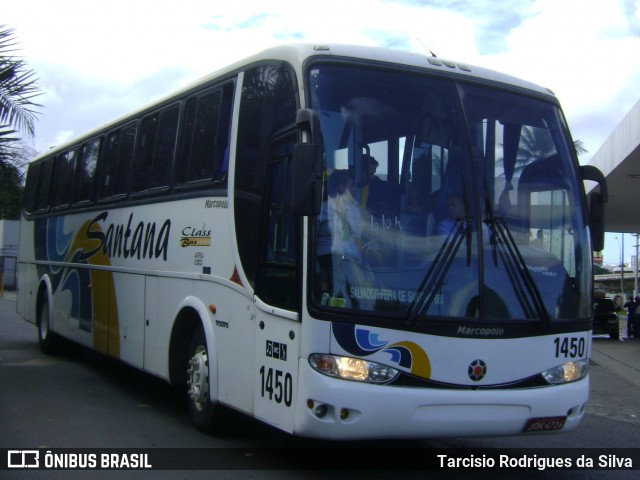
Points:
x=605 y=318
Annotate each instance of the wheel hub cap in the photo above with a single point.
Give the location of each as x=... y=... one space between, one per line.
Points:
x=198 y=378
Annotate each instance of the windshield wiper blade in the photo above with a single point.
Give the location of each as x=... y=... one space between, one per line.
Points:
x=515 y=265
x=526 y=288
x=434 y=278
x=491 y=221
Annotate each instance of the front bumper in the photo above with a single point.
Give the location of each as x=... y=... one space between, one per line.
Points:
x=358 y=411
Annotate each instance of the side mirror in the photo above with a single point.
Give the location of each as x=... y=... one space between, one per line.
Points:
x=306 y=193
x=596 y=205
x=596 y=220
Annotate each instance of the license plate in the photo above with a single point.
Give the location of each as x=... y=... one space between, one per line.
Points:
x=544 y=424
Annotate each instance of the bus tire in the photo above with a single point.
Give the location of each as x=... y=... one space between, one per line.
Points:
x=205 y=414
x=47 y=340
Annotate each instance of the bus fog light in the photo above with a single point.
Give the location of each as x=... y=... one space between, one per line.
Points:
x=568 y=372
x=349 y=368
x=344 y=414
x=321 y=411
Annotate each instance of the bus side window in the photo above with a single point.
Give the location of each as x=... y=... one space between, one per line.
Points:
x=87 y=170
x=41 y=200
x=31 y=187
x=278 y=279
x=118 y=155
x=64 y=173
x=204 y=151
x=156 y=148
x=268 y=105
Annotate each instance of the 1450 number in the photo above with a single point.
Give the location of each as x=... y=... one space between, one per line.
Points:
x=277 y=385
x=569 y=347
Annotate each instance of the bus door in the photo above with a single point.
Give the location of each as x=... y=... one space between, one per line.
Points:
x=278 y=293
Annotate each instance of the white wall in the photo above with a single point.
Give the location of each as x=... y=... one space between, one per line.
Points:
x=9 y=235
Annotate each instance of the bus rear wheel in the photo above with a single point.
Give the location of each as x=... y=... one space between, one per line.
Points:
x=205 y=414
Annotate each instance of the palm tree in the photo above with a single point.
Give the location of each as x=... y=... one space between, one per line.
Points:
x=17 y=114
x=580 y=148
x=17 y=90
x=537 y=143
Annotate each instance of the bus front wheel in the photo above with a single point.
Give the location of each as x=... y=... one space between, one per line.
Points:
x=204 y=413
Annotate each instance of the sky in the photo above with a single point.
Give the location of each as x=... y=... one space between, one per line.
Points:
x=98 y=59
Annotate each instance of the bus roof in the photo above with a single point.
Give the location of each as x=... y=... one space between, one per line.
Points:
x=297 y=54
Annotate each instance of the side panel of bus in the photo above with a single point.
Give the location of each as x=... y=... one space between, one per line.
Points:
x=121 y=276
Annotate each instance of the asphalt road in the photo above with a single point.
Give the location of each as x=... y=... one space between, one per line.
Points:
x=82 y=400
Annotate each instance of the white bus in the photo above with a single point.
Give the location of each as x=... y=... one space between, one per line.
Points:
x=281 y=238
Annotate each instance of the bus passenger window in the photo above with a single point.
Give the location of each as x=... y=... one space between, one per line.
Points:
x=64 y=174
x=165 y=147
x=87 y=169
x=155 y=151
x=203 y=140
x=118 y=155
x=44 y=185
x=31 y=187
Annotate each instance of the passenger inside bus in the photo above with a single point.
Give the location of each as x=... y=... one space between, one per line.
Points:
x=377 y=196
x=340 y=234
x=455 y=214
x=344 y=216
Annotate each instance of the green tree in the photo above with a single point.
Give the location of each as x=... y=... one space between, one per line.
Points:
x=598 y=270
x=18 y=89
x=15 y=157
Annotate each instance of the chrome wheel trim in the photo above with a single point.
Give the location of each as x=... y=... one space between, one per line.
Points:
x=198 y=378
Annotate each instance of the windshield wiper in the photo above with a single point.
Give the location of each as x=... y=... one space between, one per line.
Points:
x=523 y=283
x=434 y=279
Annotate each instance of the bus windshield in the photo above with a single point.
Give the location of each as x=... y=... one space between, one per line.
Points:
x=445 y=200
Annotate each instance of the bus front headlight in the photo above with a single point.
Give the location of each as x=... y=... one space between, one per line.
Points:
x=568 y=372
x=349 y=368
